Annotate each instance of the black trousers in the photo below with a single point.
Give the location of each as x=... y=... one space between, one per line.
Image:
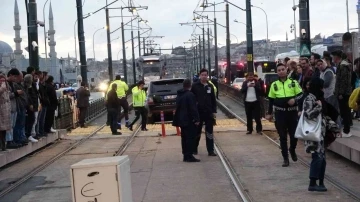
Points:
x=209 y=129
x=345 y=113
x=29 y=122
x=112 y=115
x=125 y=105
x=252 y=110
x=286 y=122
x=49 y=119
x=188 y=135
x=82 y=115
x=140 y=111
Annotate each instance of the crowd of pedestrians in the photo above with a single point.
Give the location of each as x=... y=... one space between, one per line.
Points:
x=27 y=105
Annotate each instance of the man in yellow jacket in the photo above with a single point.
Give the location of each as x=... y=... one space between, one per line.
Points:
x=121 y=89
x=139 y=98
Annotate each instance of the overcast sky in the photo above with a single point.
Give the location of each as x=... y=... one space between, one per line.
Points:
x=327 y=17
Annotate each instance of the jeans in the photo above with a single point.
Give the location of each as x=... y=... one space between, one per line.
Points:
x=112 y=118
x=41 y=121
x=19 y=129
x=35 y=129
x=209 y=129
x=10 y=133
x=318 y=166
x=188 y=135
x=286 y=123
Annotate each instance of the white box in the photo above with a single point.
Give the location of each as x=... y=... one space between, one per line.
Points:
x=102 y=180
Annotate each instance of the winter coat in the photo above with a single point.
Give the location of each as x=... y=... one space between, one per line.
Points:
x=186 y=112
x=5 y=106
x=343 y=79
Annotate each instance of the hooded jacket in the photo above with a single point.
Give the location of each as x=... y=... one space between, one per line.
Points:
x=186 y=112
x=343 y=79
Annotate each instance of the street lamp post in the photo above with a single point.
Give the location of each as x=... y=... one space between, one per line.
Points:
x=94 y=42
x=267 y=25
x=209 y=58
x=81 y=41
x=228 y=60
x=295 y=34
x=204 y=56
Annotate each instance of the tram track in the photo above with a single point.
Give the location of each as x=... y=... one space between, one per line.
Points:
x=336 y=183
x=41 y=167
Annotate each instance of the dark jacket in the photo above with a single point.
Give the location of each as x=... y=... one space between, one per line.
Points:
x=43 y=96
x=113 y=101
x=205 y=97
x=316 y=73
x=343 y=79
x=51 y=93
x=21 y=100
x=186 y=112
x=82 y=95
x=258 y=89
x=33 y=97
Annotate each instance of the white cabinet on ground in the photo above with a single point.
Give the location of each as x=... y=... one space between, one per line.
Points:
x=102 y=180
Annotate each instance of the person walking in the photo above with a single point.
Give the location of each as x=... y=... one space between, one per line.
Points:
x=206 y=103
x=252 y=91
x=83 y=95
x=283 y=96
x=121 y=89
x=314 y=105
x=5 y=110
x=139 y=97
x=113 y=109
x=187 y=118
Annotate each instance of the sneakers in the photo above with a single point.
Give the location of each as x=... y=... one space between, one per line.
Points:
x=31 y=139
x=52 y=130
x=346 y=135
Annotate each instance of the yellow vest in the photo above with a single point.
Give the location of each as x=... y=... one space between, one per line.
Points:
x=353 y=99
x=121 y=89
x=139 y=97
x=289 y=88
x=215 y=89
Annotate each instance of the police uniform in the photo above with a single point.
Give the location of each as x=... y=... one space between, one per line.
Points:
x=121 y=89
x=139 y=97
x=286 y=116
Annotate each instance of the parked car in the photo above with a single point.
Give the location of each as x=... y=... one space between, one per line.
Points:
x=268 y=79
x=161 y=96
x=237 y=83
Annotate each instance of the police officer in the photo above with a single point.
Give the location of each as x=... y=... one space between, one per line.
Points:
x=204 y=92
x=139 y=97
x=121 y=89
x=215 y=82
x=283 y=97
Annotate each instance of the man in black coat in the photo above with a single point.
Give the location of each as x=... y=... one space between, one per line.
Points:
x=187 y=117
x=83 y=95
x=53 y=104
x=206 y=103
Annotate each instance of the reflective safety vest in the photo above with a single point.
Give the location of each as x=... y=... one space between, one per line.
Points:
x=139 y=97
x=215 y=89
x=121 y=89
x=287 y=89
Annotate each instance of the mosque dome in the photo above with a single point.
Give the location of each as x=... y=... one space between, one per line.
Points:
x=5 y=48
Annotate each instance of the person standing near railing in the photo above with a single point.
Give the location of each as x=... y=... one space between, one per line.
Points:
x=53 y=104
x=83 y=95
x=113 y=108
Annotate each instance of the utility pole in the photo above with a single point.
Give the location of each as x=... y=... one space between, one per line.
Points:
x=139 y=43
x=81 y=37
x=124 y=52
x=204 y=56
x=228 y=61
x=133 y=55
x=249 y=37
x=200 y=55
x=209 y=58
x=33 y=35
x=305 y=41
x=216 y=49
x=109 y=45
x=144 y=45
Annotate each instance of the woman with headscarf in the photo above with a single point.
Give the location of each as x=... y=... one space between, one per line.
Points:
x=5 y=110
x=314 y=105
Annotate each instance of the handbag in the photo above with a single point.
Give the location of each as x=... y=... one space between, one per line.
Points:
x=309 y=129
